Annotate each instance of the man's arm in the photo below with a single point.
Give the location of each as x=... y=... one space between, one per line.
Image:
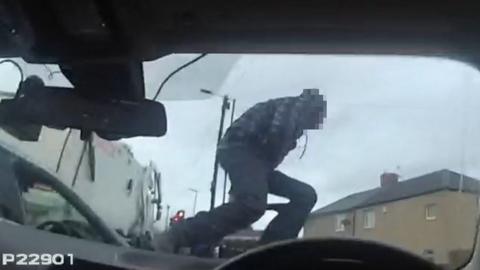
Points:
x=286 y=126
x=285 y=119
x=251 y=124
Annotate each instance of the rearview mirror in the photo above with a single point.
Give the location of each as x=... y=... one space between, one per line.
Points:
x=56 y=107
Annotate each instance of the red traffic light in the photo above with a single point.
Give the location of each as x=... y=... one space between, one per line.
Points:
x=179 y=216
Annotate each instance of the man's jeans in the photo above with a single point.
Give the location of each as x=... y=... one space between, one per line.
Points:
x=252 y=179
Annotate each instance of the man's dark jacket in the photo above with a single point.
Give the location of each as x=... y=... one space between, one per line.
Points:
x=270 y=129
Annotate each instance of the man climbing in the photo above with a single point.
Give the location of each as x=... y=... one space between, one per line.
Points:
x=250 y=151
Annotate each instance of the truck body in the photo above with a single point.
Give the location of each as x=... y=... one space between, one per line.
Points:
x=104 y=174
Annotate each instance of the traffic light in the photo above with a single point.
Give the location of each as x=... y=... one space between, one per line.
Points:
x=179 y=216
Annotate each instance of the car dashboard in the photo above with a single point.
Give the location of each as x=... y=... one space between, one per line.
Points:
x=331 y=253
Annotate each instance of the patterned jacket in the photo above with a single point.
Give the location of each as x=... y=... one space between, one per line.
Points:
x=270 y=128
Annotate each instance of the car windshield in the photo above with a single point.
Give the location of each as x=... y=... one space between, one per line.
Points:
x=394 y=158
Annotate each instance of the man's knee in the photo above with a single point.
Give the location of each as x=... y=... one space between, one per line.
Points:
x=311 y=196
x=308 y=197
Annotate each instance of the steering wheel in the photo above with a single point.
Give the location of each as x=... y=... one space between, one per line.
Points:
x=25 y=171
x=330 y=253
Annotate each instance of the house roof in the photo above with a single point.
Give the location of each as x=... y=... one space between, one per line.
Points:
x=428 y=183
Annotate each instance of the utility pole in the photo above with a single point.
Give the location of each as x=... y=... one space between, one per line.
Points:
x=232 y=115
x=213 y=188
x=225 y=107
x=194 y=200
x=167 y=217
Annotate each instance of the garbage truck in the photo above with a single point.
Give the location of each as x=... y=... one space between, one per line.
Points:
x=104 y=174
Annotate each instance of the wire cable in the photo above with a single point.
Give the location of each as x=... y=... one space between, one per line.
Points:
x=176 y=71
x=304 y=146
x=64 y=146
x=79 y=163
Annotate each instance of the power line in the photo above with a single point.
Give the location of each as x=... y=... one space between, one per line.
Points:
x=176 y=71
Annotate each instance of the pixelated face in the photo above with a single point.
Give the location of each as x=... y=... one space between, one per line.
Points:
x=316 y=113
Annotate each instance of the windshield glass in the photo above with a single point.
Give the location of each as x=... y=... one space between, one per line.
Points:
x=394 y=159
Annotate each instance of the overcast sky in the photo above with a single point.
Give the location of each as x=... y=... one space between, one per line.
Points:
x=404 y=114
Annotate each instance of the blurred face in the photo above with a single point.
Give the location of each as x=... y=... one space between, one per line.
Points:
x=316 y=113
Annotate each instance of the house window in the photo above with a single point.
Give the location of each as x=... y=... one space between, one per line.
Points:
x=339 y=222
x=431 y=211
x=369 y=219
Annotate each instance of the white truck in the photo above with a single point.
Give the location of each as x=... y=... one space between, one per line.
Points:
x=104 y=174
